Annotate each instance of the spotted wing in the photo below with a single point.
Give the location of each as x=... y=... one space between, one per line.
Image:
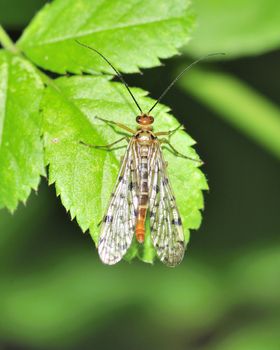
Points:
x=166 y=226
x=118 y=225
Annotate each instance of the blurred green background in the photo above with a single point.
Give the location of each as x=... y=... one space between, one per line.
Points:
x=54 y=292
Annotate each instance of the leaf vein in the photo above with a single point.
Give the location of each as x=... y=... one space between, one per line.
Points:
x=92 y=31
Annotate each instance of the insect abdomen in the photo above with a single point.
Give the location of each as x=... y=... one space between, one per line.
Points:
x=143 y=200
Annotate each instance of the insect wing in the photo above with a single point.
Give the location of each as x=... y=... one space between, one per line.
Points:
x=118 y=225
x=166 y=226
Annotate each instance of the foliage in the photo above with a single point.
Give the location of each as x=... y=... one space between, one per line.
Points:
x=196 y=297
x=16 y=14
x=225 y=295
x=132 y=34
x=222 y=27
x=238 y=104
x=21 y=151
x=83 y=177
x=239 y=28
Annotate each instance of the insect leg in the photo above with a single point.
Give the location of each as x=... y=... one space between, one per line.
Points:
x=108 y=147
x=178 y=154
x=169 y=132
x=122 y=126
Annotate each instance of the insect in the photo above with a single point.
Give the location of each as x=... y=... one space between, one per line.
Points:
x=142 y=189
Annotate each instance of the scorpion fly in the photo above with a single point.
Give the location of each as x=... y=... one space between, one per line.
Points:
x=142 y=189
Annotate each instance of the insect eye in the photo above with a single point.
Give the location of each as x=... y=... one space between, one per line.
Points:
x=151 y=119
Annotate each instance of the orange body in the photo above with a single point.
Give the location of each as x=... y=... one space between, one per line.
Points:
x=140 y=225
x=144 y=138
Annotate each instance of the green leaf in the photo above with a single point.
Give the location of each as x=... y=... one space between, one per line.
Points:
x=238 y=28
x=238 y=104
x=21 y=151
x=84 y=177
x=133 y=34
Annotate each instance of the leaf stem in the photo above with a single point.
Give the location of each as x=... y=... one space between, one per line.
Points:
x=238 y=104
x=6 y=41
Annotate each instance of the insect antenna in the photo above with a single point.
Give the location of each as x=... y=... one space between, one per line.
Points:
x=179 y=76
x=119 y=75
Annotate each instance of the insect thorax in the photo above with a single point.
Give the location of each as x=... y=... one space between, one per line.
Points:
x=145 y=137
